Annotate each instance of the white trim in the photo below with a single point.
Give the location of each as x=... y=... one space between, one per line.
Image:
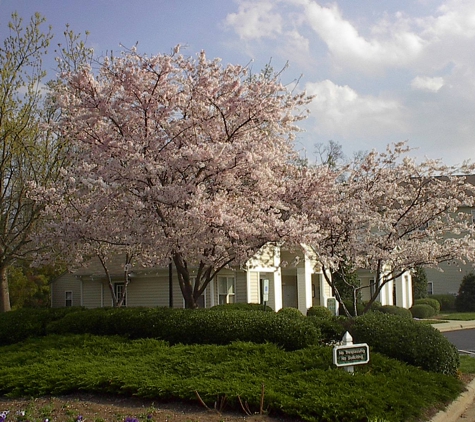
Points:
x=211 y=293
x=227 y=295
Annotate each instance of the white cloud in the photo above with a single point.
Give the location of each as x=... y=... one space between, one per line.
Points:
x=390 y=45
x=426 y=83
x=255 y=20
x=386 y=57
x=340 y=110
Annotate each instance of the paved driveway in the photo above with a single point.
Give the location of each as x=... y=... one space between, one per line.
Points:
x=462 y=339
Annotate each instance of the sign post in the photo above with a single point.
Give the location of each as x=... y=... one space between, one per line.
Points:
x=265 y=295
x=348 y=354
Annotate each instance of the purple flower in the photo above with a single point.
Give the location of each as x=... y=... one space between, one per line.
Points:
x=79 y=418
x=130 y=419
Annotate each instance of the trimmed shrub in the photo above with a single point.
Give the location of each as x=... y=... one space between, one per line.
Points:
x=374 y=306
x=465 y=301
x=395 y=310
x=331 y=329
x=200 y=326
x=422 y=311
x=447 y=301
x=407 y=340
x=242 y=307
x=319 y=312
x=429 y=301
x=18 y=325
x=290 y=312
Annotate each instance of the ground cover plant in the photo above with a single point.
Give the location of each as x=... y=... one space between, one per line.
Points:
x=301 y=383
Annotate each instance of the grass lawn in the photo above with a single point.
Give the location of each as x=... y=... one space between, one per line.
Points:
x=467 y=365
x=457 y=316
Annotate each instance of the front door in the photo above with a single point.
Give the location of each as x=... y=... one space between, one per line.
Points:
x=289 y=291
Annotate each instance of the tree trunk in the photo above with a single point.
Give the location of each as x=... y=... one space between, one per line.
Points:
x=184 y=281
x=4 y=291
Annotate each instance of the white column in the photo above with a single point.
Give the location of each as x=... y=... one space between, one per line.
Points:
x=304 y=286
x=212 y=292
x=408 y=283
x=248 y=286
x=386 y=294
x=401 y=293
x=275 y=291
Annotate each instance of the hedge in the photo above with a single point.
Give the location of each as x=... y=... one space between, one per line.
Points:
x=447 y=301
x=21 y=324
x=429 y=301
x=201 y=326
x=407 y=340
x=422 y=311
x=395 y=310
x=320 y=312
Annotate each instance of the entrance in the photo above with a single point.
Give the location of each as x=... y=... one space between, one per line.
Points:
x=316 y=283
x=289 y=291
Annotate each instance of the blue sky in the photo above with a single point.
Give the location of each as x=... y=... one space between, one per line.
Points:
x=382 y=71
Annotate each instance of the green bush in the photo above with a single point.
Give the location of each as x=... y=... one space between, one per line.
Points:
x=186 y=326
x=19 y=325
x=331 y=329
x=349 y=305
x=320 y=312
x=429 y=301
x=290 y=312
x=465 y=300
x=242 y=307
x=395 y=310
x=422 y=311
x=374 y=306
x=447 y=301
x=407 y=340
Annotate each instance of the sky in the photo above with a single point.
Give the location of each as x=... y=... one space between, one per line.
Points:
x=381 y=71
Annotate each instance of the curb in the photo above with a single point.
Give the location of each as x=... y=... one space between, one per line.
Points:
x=454 y=326
x=457 y=407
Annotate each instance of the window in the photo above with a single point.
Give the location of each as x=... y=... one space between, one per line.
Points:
x=372 y=286
x=119 y=289
x=69 y=298
x=430 y=288
x=226 y=290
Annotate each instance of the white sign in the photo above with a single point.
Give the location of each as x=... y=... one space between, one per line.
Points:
x=355 y=354
x=265 y=295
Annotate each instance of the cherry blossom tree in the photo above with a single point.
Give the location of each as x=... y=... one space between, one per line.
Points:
x=176 y=158
x=390 y=214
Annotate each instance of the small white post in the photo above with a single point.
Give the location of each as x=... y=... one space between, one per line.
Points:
x=347 y=340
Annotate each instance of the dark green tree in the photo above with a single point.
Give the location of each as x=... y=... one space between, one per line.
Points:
x=419 y=283
x=465 y=300
x=347 y=287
